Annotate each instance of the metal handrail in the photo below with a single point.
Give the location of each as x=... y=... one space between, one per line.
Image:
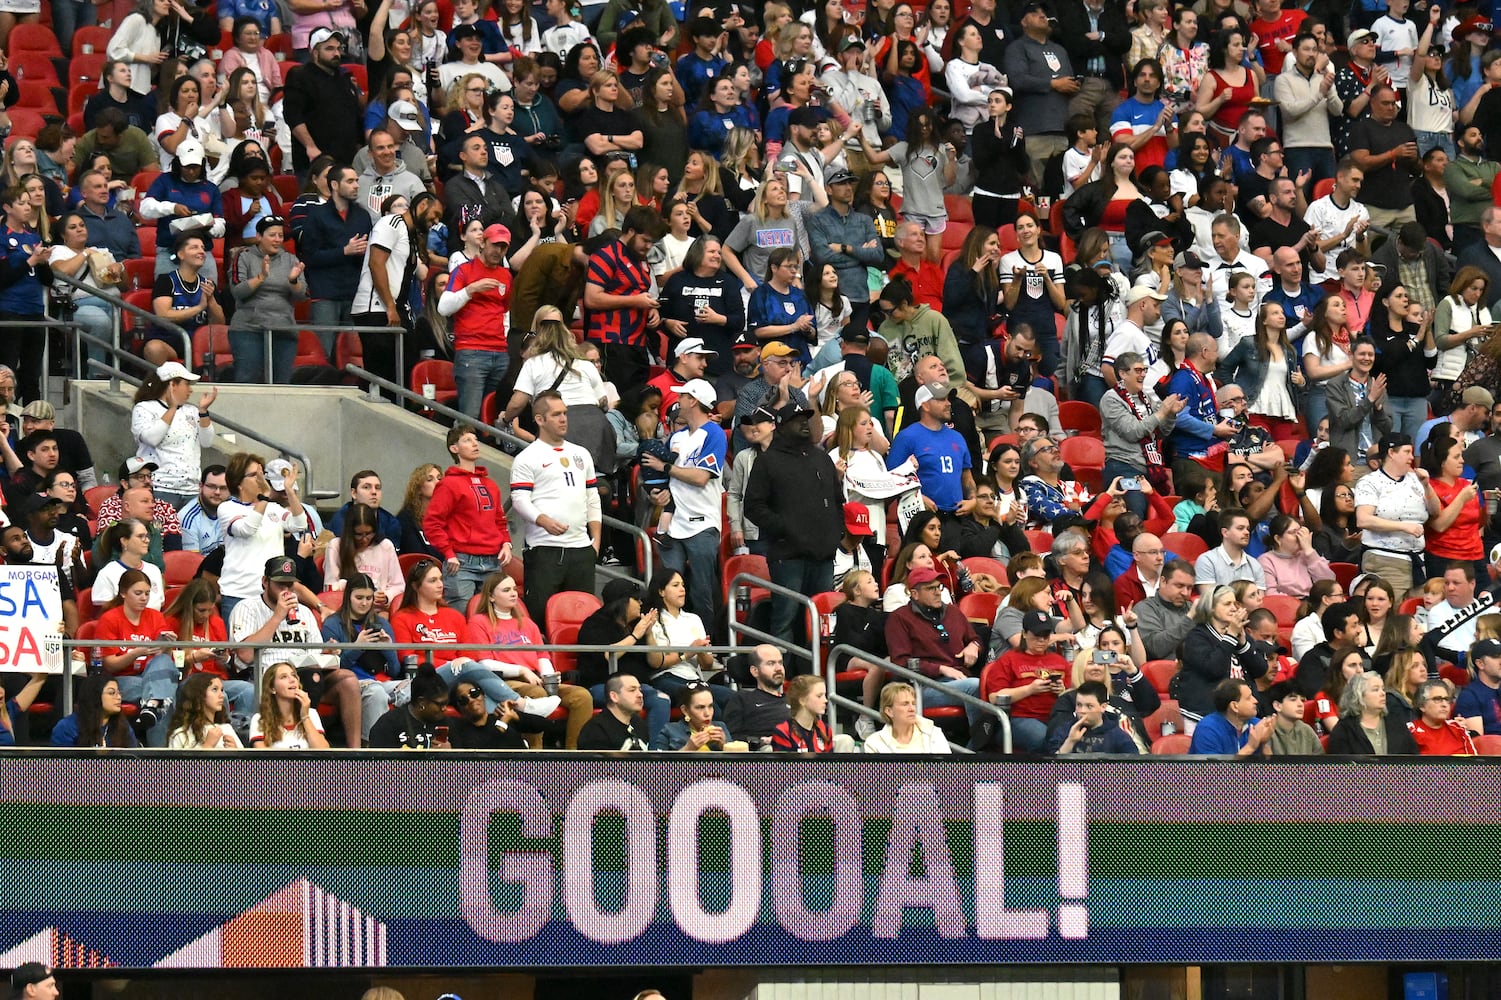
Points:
x=120 y=304
x=401 y=347
x=738 y=628
x=47 y=323
x=919 y=681
x=117 y=375
x=647 y=557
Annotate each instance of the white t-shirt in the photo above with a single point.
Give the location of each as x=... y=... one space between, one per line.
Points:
x=1127 y=337
x=1329 y=219
x=699 y=508
x=1034 y=287
x=390 y=234
x=202 y=129
x=581 y=387
x=1235 y=326
x=290 y=739
x=107 y=583
x=451 y=71
x=250 y=539
x=1430 y=109
x=183 y=739
x=683 y=630
x=1336 y=354
x=1392 y=35
x=1395 y=500
x=1074 y=163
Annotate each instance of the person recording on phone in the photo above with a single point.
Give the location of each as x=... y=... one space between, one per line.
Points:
x=1128 y=694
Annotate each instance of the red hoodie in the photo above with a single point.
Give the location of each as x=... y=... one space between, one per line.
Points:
x=466 y=515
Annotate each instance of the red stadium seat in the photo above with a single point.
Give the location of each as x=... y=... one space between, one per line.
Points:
x=955 y=235
x=569 y=607
x=33 y=66
x=1081 y=450
x=438 y=374
x=180 y=567
x=1040 y=541
x=361 y=76
x=1007 y=236
x=96 y=495
x=215 y=338
x=309 y=350
x=1167 y=712
x=1177 y=743
x=1454 y=675
x=36 y=95
x=92 y=35
x=489 y=409
x=1284 y=607
x=143 y=178
x=735 y=565
x=87 y=67
x=1076 y=416
x=1322 y=188
x=79 y=94
x=140 y=272
x=25 y=123
x=1489 y=746
x=286 y=185
x=1185 y=545
x=984 y=564
x=1345 y=572
x=959 y=209
x=147 y=236
x=37 y=38
x=1161 y=674
x=564 y=635
x=980 y=608
x=86 y=610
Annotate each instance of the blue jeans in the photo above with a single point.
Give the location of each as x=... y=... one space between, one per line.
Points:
x=1136 y=501
x=670 y=684
x=93 y=314
x=1028 y=736
x=495 y=689
x=1318 y=162
x=1408 y=413
x=227 y=605
x=240 y=698
x=1120 y=252
x=697 y=558
x=1314 y=406
x=1428 y=140
x=329 y=312
x=938 y=696
x=460 y=586
x=159 y=680
x=1090 y=389
x=658 y=705
x=805 y=576
x=478 y=373
x=70 y=15
x=249 y=349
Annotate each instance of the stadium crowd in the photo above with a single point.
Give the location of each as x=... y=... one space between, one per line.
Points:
x=1124 y=366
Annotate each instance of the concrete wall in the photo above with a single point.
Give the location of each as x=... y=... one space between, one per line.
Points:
x=340 y=429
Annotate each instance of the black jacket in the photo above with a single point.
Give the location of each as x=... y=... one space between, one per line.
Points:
x=1207 y=660
x=1073 y=26
x=794 y=497
x=329 y=105
x=463 y=201
x=1349 y=738
x=1134 y=700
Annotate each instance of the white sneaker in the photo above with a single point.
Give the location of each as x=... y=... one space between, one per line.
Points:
x=540 y=706
x=865 y=727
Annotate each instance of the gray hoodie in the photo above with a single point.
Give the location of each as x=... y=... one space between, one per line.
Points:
x=270 y=302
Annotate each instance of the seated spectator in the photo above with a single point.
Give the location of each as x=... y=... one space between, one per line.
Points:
x=1291 y=736
x=480 y=728
x=619 y=726
x=1215 y=649
x=1479 y=704
x=98 y=268
x=620 y=623
x=97 y=719
x=1113 y=663
x=418 y=724
x=1052 y=502
x=194 y=616
x=126 y=544
x=1291 y=566
x=250 y=203
x=1309 y=629
x=1435 y=734
x=1027 y=681
x=913 y=555
x=361 y=550
x=1091 y=730
x=698 y=730
x=1232 y=728
x=805 y=730
x=1364 y=725
x=287 y=719
x=1229 y=561
x=146 y=673
x=63 y=486
x=200 y=722
x=128 y=148
x=358 y=621
x=267 y=281
x=905 y=731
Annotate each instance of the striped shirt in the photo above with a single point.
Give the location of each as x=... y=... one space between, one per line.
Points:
x=616 y=272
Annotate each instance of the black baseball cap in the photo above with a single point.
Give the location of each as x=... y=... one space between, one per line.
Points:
x=1037 y=623
x=281 y=569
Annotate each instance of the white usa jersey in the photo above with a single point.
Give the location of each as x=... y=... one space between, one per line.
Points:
x=560 y=483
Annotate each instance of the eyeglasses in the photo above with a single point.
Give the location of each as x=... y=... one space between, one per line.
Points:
x=1440 y=697
x=881 y=184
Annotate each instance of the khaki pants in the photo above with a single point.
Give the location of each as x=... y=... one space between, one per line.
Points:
x=1391 y=218
x=1041 y=147
x=1095 y=97
x=1394 y=571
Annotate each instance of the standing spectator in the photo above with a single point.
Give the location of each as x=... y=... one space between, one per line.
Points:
x=1307 y=100
x=1357 y=403
x=1392 y=506
x=779 y=310
x=394 y=255
x=332 y=244
x=1453 y=537
x=267 y=280
x=695 y=489
x=1040 y=70
x=386 y=174
x=942 y=457
x=1341 y=220
x=1398 y=341
x=200 y=517
x=169 y=432
x=1164 y=617
x=847 y=239
x=702 y=301
x=1387 y=150
x=322 y=101
x=478 y=299
x=24 y=277
x=794 y=497
x=618 y=306
x=466 y=520
x=1097 y=37
x=1135 y=425
x=1468 y=178
x=557 y=477
x=253 y=527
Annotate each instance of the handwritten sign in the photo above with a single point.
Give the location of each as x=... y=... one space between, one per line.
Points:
x=31 y=612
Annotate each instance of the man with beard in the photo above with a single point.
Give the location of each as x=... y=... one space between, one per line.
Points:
x=322 y=104
x=794 y=496
x=619 y=309
x=383 y=295
x=40 y=514
x=745 y=360
x=1468 y=179
x=754 y=712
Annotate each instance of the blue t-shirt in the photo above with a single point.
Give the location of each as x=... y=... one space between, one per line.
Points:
x=1477 y=699
x=769 y=307
x=1215 y=734
x=942 y=457
x=199 y=197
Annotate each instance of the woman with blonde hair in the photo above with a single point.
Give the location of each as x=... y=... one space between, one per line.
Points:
x=618 y=198
x=906 y=731
x=773 y=222
x=556 y=361
x=701 y=189
x=742 y=163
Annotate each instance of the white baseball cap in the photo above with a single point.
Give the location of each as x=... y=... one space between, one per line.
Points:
x=699 y=390
x=694 y=345
x=175 y=369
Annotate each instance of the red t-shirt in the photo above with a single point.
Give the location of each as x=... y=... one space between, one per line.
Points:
x=1461 y=540
x=113 y=625
x=1268 y=33
x=481 y=324
x=212 y=634
x=926 y=281
x=1016 y=668
x=446 y=626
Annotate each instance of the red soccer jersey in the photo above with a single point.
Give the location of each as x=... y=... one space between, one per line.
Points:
x=1446 y=741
